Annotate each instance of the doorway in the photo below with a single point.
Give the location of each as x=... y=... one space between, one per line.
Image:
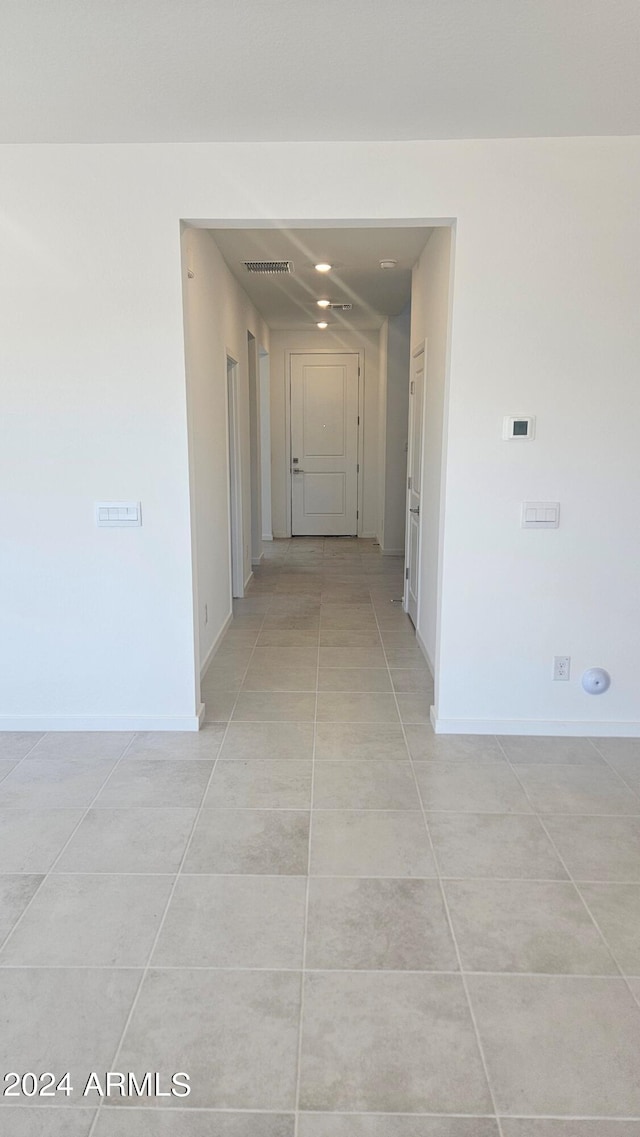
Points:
x=235 y=482
x=414 y=484
x=255 y=447
x=324 y=444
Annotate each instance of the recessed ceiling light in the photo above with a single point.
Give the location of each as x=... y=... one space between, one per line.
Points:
x=323 y=267
x=323 y=324
x=323 y=303
x=388 y=264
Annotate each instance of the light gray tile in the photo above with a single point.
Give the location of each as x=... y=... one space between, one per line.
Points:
x=336 y=741
x=335 y=639
x=261 y=783
x=598 y=848
x=365 y=785
x=378 y=925
x=404 y=657
x=543 y=1127
x=16 y=891
x=194 y=1123
x=577 y=789
x=247 y=740
x=356 y=655
x=274 y=677
x=22 y=1121
x=554 y=751
x=353 y=707
x=370 y=843
x=288 y=657
x=219 y=705
x=156 y=782
x=415 y=708
x=354 y=679
x=616 y=910
x=525 y=926
x=473 y=787
x=108 y=921
x=234 y=921
x=139 y=840
x=622 y=753
x=412 y=681
x=426 y=746
x=415 y=1031
x=247 y=1061
x=493 y=845
x=75 y=1019
x=225 y=676
x=6 y=766
x=390 y=1125
x=176 y=745
x=558 y=1045
x=51 y=782
x=16 y=744
x=31 y=839
x=288 y=637
x=249 y=841
x=257 y=706
x=82 y=744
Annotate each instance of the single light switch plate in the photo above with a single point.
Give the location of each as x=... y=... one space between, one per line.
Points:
x=540 y=514
x=519 y=426
x=121 y=513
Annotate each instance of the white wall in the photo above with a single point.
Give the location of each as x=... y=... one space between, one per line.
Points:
x=396 y=416
x=430 y=293
x=383 y=344
x=218 y=315
x=98 y=624
x=282 y=344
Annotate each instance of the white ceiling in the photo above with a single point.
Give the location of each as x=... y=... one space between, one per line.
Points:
x=356 y=277
x=224 y=70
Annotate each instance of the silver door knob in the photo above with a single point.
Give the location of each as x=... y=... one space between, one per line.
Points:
x=414 y=509
x=297 y=470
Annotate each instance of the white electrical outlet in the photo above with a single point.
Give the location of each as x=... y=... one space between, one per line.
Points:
x=561 y=667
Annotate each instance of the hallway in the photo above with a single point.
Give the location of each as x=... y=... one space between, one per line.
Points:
x=316 y=908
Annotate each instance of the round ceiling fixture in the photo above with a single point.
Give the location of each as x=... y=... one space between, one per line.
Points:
x=323 y=267
x=323 y=303
x=388 y=264
x=323 y=324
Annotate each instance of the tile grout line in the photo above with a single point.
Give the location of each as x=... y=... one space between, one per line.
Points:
x=446 y=907
x=308 y=887
x=608 y=947
x=161 y=923
x=53 y=864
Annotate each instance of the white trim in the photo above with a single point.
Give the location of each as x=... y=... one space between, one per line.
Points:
x=215 y=645
x=578 y=728
x=102 y=722
x=391 y=552
x=267 y=537
x=423 y=648
x=247 y=582
x=256 y=561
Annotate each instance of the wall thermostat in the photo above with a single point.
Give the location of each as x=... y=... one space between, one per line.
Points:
x=519 y=426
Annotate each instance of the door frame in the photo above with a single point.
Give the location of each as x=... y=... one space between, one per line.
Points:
x=418 y=350
x=234 y=469
x=360 y=353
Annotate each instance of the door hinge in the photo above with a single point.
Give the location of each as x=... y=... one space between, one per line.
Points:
x=412 y=387
x=357 y=467
x=358 y=371
x=357 y=514
x=358 y=420
x=408 y=483
x=406 y=573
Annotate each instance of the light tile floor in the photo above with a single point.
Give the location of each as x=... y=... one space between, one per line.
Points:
x=339 y=924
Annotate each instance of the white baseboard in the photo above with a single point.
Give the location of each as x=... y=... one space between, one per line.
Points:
x=267 y=536
x=423 y=648
x=578 y=728
x=257 y=561
x=100 y=722
x=248 y=581
x=215 y=645
x=367 y=536
x=391 y=552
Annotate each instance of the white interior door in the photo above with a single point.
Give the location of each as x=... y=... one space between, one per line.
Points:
x=414 y=483
x=324 y=445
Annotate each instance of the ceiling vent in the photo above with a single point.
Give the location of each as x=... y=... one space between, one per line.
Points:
x=270 y=268
x=341 y=307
